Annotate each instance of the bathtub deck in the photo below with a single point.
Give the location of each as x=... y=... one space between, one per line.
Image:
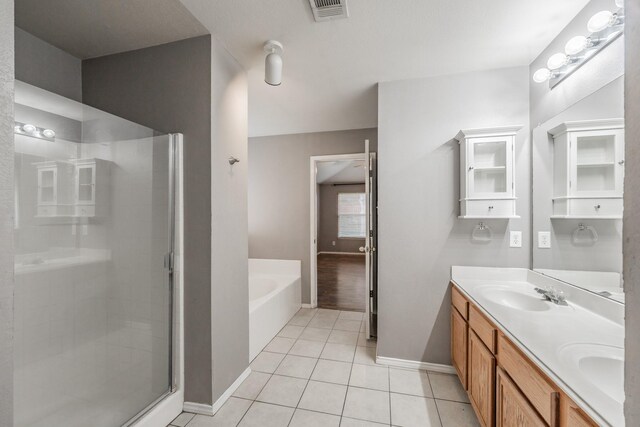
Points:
x=341 y=282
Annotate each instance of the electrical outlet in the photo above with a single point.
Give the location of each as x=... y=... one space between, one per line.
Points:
x=515 y=239
x=544 y=239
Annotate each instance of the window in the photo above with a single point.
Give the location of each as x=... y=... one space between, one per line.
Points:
x=351 y=215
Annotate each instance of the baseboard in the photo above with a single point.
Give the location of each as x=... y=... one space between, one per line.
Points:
x=204 y=409
x=306 y=305
x=413 y=364
x=198 y=408
x=340 y=253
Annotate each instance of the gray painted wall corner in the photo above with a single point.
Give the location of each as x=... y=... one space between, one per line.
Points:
x=631 y=222
x=6 y=210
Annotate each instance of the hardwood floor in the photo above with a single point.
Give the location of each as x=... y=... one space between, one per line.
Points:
x=341 y=282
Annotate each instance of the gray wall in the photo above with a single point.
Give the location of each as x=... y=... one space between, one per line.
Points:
x=420 y=236
x=167 y=88
x=229 y=241
x=328 y=219
x=600 y=70
x=279 y=191
x=631 y=222
x=606 y=254
x=44 y=65
x=6 y=212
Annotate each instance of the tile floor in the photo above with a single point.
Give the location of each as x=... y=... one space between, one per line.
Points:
x=321 y=371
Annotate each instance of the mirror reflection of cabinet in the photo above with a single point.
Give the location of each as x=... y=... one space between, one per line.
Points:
x=588 y=169
x=55 y=183
x=91 y=176
x=487 y=172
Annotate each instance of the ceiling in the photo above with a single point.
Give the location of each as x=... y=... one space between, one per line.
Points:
x=92 y=28
x=331 y=68
x=340 y=172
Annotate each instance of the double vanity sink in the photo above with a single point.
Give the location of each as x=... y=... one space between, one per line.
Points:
x=576 y=342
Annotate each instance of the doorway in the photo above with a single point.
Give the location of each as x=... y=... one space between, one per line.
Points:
x=342 y=234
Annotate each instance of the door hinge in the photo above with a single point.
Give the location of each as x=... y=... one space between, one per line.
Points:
x=370 y=294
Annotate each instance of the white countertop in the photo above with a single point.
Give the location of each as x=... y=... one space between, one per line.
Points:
x=554 y=338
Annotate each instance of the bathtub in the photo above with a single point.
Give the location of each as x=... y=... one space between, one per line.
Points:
x=274 y=298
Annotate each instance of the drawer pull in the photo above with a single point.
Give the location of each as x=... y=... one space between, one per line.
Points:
x=597 y=207
x=490 y=207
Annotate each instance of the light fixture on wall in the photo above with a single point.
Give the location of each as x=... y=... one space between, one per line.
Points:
x=604 y=27
x=273 y=63
x=28 y=129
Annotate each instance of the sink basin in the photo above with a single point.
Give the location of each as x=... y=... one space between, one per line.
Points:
x=514 y=299
x=601 y=364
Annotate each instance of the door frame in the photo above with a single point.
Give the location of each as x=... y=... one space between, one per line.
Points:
x=313 y=218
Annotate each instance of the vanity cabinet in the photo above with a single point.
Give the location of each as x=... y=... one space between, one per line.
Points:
x=588 y=169
x=504 y=386
x=487 y=172
x=55 y=188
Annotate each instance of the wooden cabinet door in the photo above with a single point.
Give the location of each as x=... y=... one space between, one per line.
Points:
x=459 y=340
x=481 y=379
x=512 y=408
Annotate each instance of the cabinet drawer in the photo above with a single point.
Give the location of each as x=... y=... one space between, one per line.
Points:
x=489 y=208
x=572 y=416
x=85 y=210
x=595 y=207
x=483 y=328
x=459 y=302
x=534 y=386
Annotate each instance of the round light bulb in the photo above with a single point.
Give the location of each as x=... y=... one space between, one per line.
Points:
x=542 y=75
x=620 y=3
x=48 y=133
x=557 y=60
x=576 y=45
x=601 y=21
x=29 y=128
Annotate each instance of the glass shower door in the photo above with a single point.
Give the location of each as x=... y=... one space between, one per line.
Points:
x=93 y=296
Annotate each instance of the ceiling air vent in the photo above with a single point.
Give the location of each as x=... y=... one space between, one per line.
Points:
x=325 y=10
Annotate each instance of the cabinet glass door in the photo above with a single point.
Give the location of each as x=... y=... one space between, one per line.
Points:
x=488 y=167
x=47 y=186
x=85 y=184
x=596 y=164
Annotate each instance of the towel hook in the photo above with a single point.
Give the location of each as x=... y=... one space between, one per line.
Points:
x=582 y=228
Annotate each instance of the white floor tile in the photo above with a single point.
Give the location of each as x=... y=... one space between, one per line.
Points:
x=280 y=345
x=315 y=334
x=230 y=414
x=352 y=422
x=182 y=419
x=323 y=397
x=302 y=418
x=367 y=376
x=291 y=331
x=307 y=348
x=327 y=313
x=351 y=315
x=343 y=337
x=447 y=387
x=413 y=411
x=369 y=405
x=455 y=414
x=265 y=415
x=365 y=355
x=281 y=390
x=340 y=352
x=410 y=382
x=266 y=362
x=299 y=321
x=332 y=371
x=296 y=366
x=252 y=385
x=347 y=325
x=324 y=323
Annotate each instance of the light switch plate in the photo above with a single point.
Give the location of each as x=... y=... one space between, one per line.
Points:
x=515 y=240
x=544 y=239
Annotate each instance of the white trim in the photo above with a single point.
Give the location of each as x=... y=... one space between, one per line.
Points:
x=414 y=364
x=303 y=305
x=198 y=408
x=313 y=197
x=340 y=253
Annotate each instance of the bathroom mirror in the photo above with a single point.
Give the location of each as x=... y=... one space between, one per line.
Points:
x=578 y=170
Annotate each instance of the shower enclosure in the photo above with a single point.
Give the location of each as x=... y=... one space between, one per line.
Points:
x=93 y=268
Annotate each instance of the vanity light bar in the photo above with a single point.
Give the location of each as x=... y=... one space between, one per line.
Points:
x=34 y=131
x=604 y=27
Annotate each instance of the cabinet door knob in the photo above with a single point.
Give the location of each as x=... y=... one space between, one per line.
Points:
x=470 y=168
x=621 y=162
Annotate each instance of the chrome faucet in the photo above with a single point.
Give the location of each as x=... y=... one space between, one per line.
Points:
x=552 y=294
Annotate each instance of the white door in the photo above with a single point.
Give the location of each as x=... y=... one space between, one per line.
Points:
x=370 y=244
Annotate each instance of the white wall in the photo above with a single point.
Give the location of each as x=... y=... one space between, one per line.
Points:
x=420 y=236
x=229 y=224
x=631 y=220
